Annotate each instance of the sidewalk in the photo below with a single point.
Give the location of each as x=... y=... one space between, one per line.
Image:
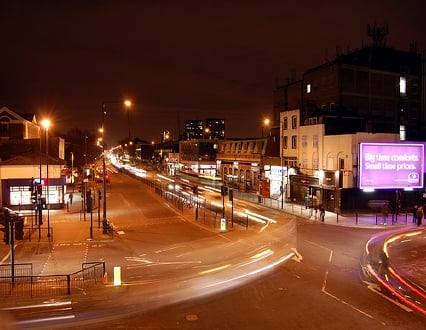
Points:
x=69 y=230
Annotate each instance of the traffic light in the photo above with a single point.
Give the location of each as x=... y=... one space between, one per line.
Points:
x=19 y=228
x=34 y=199
x=231 y=195
x=223 y=190
x=43 y=203
x=89 y=201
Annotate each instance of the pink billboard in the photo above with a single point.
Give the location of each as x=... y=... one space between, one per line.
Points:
x=391 y=165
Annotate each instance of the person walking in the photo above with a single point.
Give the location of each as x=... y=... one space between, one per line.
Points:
x=415 y=214
x=420 y=215
x=322 y=214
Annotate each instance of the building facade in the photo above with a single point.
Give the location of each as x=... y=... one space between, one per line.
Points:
x=28 y=157
x=198 y=157
x=372 y=94
x=381 y=88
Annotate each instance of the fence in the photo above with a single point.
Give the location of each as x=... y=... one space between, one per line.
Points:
x=18 y=281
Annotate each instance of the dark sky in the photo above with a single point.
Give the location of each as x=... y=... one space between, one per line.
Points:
x=177 y=59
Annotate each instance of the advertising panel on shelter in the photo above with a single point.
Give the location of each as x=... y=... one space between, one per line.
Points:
x=391 y=165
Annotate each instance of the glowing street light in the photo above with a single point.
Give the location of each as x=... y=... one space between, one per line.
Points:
x=127 y=103
x=46 y=124
x=266 y=123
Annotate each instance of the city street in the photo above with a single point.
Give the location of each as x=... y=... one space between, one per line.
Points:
x=186 y=274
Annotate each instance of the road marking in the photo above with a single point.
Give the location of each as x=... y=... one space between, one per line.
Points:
x=376 y=289
x=297 y=256
x=324 y=285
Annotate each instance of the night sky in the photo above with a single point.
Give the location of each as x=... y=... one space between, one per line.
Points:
x=177 y=59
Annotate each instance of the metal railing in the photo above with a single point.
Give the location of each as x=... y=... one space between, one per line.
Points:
x=23 y=284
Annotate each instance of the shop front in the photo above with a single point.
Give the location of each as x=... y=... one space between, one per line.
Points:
x=306 y=190
x=16 y=193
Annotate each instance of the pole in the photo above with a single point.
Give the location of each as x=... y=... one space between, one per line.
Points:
x=89 y=197
x=47 y=183
x=99 y=209
x=40 y=210
x=11 y=234
x=104 y=217
x=282 y=181
x=128 y=122
x=72 y=171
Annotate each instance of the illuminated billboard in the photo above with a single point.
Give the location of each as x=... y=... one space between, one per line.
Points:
x=391 y=165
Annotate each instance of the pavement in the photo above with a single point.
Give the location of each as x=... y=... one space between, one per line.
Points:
x=71 y=227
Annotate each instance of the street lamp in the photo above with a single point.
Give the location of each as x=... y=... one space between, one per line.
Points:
x=127 y=104
x=266 y=122
x=46 y=124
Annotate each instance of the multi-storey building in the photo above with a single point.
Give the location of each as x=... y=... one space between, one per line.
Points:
x=372 y=94
x=215 y=128
x=193 y=129
x=198 y=157
x=381 y=88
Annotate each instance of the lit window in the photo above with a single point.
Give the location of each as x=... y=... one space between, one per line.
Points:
x=402 y=135
x=402 y=85
x=308 y=88
x=294 y=142
x=293 y=121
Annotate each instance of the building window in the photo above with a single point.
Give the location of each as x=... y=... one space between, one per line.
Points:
x=285 y=142
x=315 y=141
x=294 y=142
x=304 y=141
x=293 y=121
x=402 y=135
x=308 y=88
x=315 y=163
x=4 y=128
x=402 y=86
x=285 y=124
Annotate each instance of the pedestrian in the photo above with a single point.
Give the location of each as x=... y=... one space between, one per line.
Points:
x=322 y=214
x=385 y=213
x=415 y=214
x=70 y=198
x=419 y=215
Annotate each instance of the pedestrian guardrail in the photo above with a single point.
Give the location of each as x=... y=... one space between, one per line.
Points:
x=18 y=281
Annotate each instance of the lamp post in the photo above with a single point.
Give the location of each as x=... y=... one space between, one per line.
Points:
x=266 y=122
x=127 y=104
x=72 y=170
x=46 y=124
x=39 y=190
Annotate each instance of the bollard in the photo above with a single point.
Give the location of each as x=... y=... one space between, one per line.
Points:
x=117 y=276
x=222 y=224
